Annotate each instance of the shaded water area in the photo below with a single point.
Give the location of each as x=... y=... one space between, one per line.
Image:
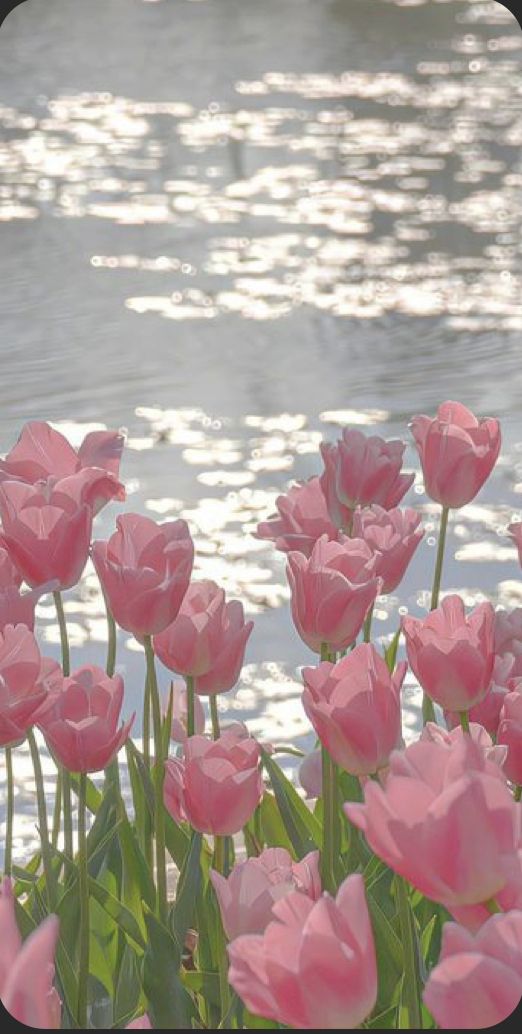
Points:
x=232 y=227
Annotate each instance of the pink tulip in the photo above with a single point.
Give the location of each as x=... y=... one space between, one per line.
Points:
x=435 y=734
x=27 y=970
x=510 y=734
x=394 y=536
x=477 y=981
x=21 y=695
x=16 y=608
x=178 y=731
x=457 y=452
x=445 y=820
x=332 y=591
x=45 y=531
x=80 y=720
x=310 y=774
x=144 y=570
x=487 y=711
x=247 y=896
x=508 y=637
x=217 y=786
x=142 y=1023
x=302 y=519
x=355 y=709
x=314 y=966
x=452 y=655
x=42 y=453
x=206 y=640
x=362 y=471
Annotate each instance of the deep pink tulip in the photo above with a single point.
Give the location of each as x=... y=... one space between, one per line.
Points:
x=361 y=471
x=253 y=887
x=510 y=734
x=394 y=536
x=179 y=713
x=42 y=453
x=332 y=591
x=302 y=518
x=144 y=570
x=457 y=452
x=452 y=655
x=207 y=639
x=45 y=531
x=21 y=694
x=80 y=720
x=487 y=711
x=310 y=774
x=355 y=708
x=445 y=820
x=27 y=970
x=217 y=786
x=477 y=981
x=314 y=966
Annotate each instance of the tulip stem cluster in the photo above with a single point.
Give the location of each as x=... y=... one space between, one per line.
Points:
x=158 y=777
x=42 y=820
x=428 y=710
x=411 y=980
x=83 y=880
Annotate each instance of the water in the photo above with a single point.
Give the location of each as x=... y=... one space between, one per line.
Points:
x=233 y=227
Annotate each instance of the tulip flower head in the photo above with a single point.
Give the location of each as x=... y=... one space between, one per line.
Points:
x=457 y=452
x=21 y=692
x=27 y=970
x=302 y=519
x=362 y=471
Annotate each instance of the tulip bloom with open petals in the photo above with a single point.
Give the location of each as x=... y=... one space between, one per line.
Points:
x=206 y=640
x=302 y=518
x=457 y=452
x=314 y=966
x=361 y=471
x=246 y=897
x=394 y=536
x=355 y=709
x=45 y=531
x=217 y=786
x=42 y=453
x=510 y=734
x=27 y=969
x=144 y=569
x=80 y=720
x=445 y=820
x=452 y=654
x=332 y=591
x=477 y=981
x=21 y=693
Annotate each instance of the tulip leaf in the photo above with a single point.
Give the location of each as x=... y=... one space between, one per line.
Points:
x=170 y=1005
x=128 y=988
x=206 y=984
x=118 y=912
x=386 y=1020
x=390 y=653
x=301 y=826
x=94 y=796
x=188 y=890
x=272 y=825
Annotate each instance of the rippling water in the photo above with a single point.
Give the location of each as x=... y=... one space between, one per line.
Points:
x=234 y=227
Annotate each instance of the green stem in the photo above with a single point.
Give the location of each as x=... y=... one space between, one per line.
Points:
x=67 y=815
x=219 y=865
x=518 y=792
x=146 y=724
x=428 y=710
x=367 y=629
x=214 y=716
x=492 y=906
x=464 y=721
x=330 y=823
x=83 y=973
x=57 y=814
x=158 y=776
x=66 y=661
x=112 y=772
x=8 y=856
x=412 y=984
x=191 y=721
x=42 y=820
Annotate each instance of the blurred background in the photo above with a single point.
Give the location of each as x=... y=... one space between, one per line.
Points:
x=233 y=227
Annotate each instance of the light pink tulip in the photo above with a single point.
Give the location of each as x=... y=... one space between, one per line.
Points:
x=477 y=981
x=302 y=519
x=445 y=820
x=451 y=654
x=310 y=774
x=510 y=734
x=142 y=1023
x=436 y=734
x=332 y=591
x=314 y=966
x=508 y=637
x=217 y=786
x=206 y=640
x=361 y=471
x=16 y=608
x=355 y=708
x=457 y=452
x=21 y=695
x=42 y=453
x=144 y=569
x=45 y=531
x=487 y=711
x=27 y=970
x=246 y=897
x=394 y=536
x=80 y=720
x=178 y=731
